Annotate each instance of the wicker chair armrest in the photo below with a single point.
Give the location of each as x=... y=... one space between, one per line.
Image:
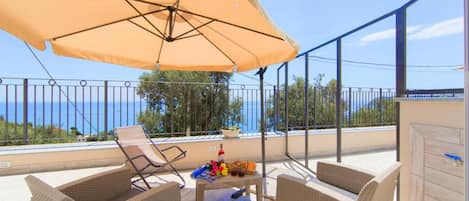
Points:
x=295 y=189
x=166 y=192
x=343 y=176
x=290 y=188
x=101 y=186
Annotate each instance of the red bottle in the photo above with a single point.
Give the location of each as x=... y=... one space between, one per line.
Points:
x=221 y=154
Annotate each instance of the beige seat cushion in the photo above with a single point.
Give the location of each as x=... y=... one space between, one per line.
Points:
x=343 y=176
x=330 y=192
x=44 y=192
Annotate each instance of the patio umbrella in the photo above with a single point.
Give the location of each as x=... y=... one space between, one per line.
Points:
x=188 y=35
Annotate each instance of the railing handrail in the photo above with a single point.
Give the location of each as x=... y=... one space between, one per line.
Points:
x=371 y=22
x=435 y=91
x=123 y=81
x=409 y=3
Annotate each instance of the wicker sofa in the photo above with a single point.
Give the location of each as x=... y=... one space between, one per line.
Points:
x=338 y=182
x=106 y=186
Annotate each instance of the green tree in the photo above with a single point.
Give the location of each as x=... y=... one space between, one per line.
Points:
x=321 y=104
x=376 y=112
x=12 y=134
x=184 y=102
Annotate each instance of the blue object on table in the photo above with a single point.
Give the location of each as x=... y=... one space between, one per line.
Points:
x=202 y=173
x=206 y=176
x=453 y=157
x=197 y=172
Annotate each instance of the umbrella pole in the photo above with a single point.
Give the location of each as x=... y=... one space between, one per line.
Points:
x=261 y=86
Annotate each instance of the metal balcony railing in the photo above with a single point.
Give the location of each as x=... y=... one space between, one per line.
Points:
x=61 y=110
x=338 y=100
x=68 y=110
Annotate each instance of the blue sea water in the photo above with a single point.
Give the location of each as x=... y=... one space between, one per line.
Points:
x=88 y=117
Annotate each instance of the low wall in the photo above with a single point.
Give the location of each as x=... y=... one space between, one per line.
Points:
x=37 y=158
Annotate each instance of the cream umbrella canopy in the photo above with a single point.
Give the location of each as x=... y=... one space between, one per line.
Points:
x=187 y=35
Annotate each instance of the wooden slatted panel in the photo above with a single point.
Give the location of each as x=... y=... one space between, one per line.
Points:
x=433 y=176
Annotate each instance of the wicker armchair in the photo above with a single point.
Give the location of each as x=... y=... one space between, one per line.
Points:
x=110 y=185
x=338 y=182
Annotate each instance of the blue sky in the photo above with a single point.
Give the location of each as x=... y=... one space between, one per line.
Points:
x=434 y=32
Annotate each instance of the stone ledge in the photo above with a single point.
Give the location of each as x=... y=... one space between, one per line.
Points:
x=199 y=150
x=42 y=148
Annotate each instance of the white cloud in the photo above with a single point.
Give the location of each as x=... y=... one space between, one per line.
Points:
x=378 y=36
x=443 y=28
x=386 y=34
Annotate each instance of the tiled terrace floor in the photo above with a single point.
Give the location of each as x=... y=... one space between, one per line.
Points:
x=14 y=188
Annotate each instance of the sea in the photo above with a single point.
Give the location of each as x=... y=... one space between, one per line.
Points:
x=88 y=117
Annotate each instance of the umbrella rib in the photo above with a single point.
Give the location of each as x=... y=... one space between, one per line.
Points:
x=149 y=31
x=211 y=42
x=106 y=24
x=221 y=21
x=173 y=18
x=152 y=3
x=162 y=42
x=190 y=36
x=196 y=28
x=232 y=41
x=231 y=24
x=146 y=19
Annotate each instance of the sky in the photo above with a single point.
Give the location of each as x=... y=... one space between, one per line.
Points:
x=435 y=39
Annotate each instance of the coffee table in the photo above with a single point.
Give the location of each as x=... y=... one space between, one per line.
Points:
x=230 y=182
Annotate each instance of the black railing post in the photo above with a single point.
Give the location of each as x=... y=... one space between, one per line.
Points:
x=60 y=114
x=349 y=107
x=314 y=107
x=381 y=107
x=338 y=100
x=278 y=101
x=401 y=67
x=25 y=111
x=286 y=108
x=275 y=108
x=7 y=137
x=105 y=108
x=306 y=117
x=401 y=52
